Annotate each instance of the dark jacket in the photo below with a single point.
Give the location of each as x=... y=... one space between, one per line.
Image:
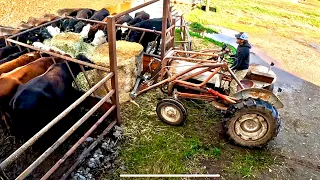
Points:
x=242 y=57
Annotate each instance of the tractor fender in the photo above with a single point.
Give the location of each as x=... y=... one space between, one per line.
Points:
x=262 y=94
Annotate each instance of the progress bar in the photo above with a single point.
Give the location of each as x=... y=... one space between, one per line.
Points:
x=169 y=175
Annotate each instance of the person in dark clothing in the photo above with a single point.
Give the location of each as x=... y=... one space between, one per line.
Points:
x=242 y=59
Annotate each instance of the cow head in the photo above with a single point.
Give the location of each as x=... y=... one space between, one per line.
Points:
x=83 y=58
x=134 y=36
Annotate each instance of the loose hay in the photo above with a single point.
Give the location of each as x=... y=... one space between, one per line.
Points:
x=129 y=63
x=69 y=42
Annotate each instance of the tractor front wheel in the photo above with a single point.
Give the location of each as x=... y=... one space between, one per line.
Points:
x=253 y=123
x=171 y=111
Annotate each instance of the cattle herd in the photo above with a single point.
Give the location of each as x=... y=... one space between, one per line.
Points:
x=34 y=87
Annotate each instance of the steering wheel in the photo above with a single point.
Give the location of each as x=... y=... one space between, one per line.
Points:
x=226 y=51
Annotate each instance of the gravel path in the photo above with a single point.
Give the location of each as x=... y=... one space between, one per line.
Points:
x=104 y=158
x=14 y=11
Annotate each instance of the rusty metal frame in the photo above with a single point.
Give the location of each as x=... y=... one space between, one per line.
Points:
x=184 y=32
x=181 y=78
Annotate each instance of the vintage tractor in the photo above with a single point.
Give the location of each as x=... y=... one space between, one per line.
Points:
x=252 y=115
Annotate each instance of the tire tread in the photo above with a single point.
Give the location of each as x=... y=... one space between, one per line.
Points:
x=251 y=103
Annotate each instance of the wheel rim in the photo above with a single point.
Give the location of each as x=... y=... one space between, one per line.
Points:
x=170 y=113
x=251 y=127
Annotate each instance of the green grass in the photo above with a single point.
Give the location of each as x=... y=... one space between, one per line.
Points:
x=197 y=27
x=260 y=16
x=153 y=147
x=205 y=40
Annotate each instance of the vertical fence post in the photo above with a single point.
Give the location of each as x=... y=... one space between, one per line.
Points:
x=173 y=31
x=164 y=27
x=113 y=64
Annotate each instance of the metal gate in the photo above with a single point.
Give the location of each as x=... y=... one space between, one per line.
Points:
x=167 y=42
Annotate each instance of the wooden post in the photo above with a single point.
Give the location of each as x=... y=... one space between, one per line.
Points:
x=113 y=65
x=164 y=27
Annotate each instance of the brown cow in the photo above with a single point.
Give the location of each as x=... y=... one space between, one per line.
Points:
x=37 y=21
x=7 y=31
x=68 y=11
x=20 y=61
x=50 y=17
x=11 y=80
x=24 y=25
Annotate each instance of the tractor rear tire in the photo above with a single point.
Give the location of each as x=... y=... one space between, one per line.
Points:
x=253 y=123
x=171 y=111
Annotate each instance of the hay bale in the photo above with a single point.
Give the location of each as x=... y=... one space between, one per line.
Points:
x=129 y=63
x=69 y=42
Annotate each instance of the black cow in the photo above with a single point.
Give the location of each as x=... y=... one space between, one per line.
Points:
x=142 y=14
x=139 y=17
x=7 y=51
x=152 y=24
x=119 y=34
x=100 y=15
x=37 y=102
x=124 y=19
x=2 y=42
x=68 y=24
x=71 y=25
x=12 y=56
x=38 y=35
x=79 y=26
x=85 y=13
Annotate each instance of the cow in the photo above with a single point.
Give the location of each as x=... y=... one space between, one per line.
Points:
x=100 y=15
x=99 y=38
x=68 y=24
x=68 y=12
x=24 y=25
x=11 y=80
x=36 y=21
x=2 y=42
x=20 y=61
x=135 y=21
x=152 y=24
x=7 y=50
x=71 y=24
x=142 y=14
x=93 y=31
x=124 y=19
x=119 y=34
x=12 y=56
x=85 y=13
x=5 y=30
x=79 y=26
x=37 y=35
x=44 y=97
x=121 y=31
x=50 y=17
x=139 y=17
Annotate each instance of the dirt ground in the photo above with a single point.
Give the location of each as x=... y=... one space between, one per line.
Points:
x=15 y=11
x=297 y=142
